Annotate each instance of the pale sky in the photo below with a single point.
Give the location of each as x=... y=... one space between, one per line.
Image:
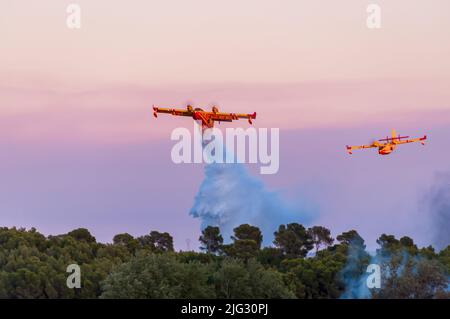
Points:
x=200 y=41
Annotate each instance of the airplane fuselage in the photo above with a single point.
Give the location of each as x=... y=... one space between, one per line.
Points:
x=386 y=149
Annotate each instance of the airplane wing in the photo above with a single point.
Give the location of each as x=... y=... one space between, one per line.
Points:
x=413 y=140
x=178 y=112
x=351 y=148
x=228 y=117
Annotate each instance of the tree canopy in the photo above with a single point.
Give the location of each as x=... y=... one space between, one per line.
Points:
x=302 y=263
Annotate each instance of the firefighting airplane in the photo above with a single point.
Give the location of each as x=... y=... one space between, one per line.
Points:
x=207 y=118
x=390 y=144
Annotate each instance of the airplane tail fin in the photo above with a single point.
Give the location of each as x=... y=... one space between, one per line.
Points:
x=394 y=134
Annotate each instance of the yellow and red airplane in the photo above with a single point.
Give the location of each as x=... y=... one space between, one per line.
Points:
x=207 y=118
x=390 y=144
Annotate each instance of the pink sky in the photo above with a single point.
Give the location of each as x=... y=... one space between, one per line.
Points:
x=299 y=59
x=315 y=58
x=73 y=101
x=153 y=43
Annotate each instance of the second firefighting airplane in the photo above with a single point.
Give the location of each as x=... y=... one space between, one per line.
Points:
x=207 y=118
x=390 y=144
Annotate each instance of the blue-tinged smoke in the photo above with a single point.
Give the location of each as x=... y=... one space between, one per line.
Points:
x=393 y=266
x=439 y=210
x=353 y=275
x=229 y=196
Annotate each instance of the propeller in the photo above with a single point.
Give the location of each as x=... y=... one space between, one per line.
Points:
x=189 y=103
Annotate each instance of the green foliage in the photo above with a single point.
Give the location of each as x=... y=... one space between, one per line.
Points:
x=236 y=279
x=248 y=232
x=317 y=277
x=247 y=242
x=409 y=272
x=320 y=236
x=211 y=240
x=82 y=234
x=161 y=242
x=128 y=241
x=293 y=240
x=159 y=276
x=352 y=238
x=444 y=257
x=242 y=249
x=204 y=258
x=405 y=277
x=271 y=257
x=34 y=266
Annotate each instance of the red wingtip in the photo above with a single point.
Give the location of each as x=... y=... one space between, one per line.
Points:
x=251 y=116
x=349 y=149
x=423 y=139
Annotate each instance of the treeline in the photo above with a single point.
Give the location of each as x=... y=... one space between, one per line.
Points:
x=302 y=263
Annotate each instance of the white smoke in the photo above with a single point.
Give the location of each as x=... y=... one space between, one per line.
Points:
x=439 y=210
x=353 y=276
x=229 y=197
